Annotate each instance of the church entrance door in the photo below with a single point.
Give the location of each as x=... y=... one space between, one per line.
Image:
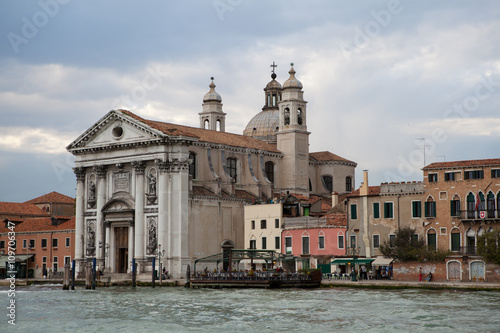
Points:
x=121 y=249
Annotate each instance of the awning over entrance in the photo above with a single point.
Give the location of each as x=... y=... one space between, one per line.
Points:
x=345 y=261
x=380 y=261
x=19 y=258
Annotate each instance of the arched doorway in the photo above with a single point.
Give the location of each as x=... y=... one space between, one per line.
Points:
x=119 y=239
x=454 y=271
x=477 y=271
x=226 y=246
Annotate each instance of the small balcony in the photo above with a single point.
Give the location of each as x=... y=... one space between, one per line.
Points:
x=466 y=250
x=485 y=215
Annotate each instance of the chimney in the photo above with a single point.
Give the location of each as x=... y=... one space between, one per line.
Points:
x=363 y=190
x=335 y=199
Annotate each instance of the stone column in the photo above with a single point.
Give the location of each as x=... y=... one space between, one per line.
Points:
x=79 y=216
x=179 y=218
x=107 y=247
x=163 y=209
x=130 y=246
x=101 y=200
x=139 y=212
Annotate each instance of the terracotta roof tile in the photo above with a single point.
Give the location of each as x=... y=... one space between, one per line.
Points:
x=299 y=197
x=372 y=190
x=326 y=156
x=337 y=219
x=52 y=197
x=20 y=209
x=468 y=163
x=204 y=135
x=40 y=224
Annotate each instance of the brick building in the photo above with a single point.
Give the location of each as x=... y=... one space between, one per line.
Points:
x=44 y=231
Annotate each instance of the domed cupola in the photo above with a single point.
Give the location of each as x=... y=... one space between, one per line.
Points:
x=212 y=117
x=292 y=82
x=265 y=124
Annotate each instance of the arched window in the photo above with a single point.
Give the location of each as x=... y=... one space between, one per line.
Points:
x=269 y=168
x=481 y=204
x=471 y=242
x=490 y=205
x=348 y=184
x=217 y=128
x=192 y=165
x=471 y=203
x=287 y=116
x=455 y=240
x=275 y=102
x=231 y=168
x=206 y=124
x=299 y=116
x=430 y=207
x=327 y=182
x=455 y=206
x=431 y=239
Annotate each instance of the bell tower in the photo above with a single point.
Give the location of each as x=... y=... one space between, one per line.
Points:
x=212 y=117
x=293 y=137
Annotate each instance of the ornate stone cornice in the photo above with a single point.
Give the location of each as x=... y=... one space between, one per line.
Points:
x=174 y=165
x=139 y=167
x=80 y=173
x=100 y=170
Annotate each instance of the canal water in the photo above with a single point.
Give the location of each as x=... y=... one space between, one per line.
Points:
x=177 y=309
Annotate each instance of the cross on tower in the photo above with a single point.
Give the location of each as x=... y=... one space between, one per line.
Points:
x=274 y=66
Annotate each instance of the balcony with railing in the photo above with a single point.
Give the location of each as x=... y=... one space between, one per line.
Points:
x=468 y=215
x=466 y=250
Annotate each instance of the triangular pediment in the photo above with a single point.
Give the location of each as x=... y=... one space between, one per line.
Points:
x=116 y=129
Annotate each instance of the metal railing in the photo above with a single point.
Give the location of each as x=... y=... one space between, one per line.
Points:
x=476 y=215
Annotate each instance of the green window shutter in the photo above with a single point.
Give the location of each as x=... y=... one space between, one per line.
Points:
x=354 y=213
x=433 y=208
x=376 y=210
x=455 y=242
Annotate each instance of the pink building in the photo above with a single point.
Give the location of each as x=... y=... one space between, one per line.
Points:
x=316 y=240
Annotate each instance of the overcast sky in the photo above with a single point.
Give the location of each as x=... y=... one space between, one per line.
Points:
x=382 y=79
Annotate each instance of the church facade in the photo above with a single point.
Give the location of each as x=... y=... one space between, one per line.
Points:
x=149 y=190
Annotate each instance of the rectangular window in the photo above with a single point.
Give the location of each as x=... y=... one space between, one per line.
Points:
x=353 y=241
x=32 y=243
x=474 y=174
x=495 y=173
x=392 y=240
x=341 y=241
x=321 y=242
x=2 y=244
x=253 y=224
x=376 y=210
x=354 y=212
x=388 y=210
x=54 y=264
x=44 y=242
x=263 y=224
x=455 y=207
x=54 y=242
x=25 y=243
x=416 y=209
x=67 y=260
x=288 y=245
x=305 y=245
x=414 y=238
x=449 y=176
x=44 y=259
x=442 y=231
x=253 y=244
x=264 y=243
x=277 y=223
x=376 y=241
x=433 y=177
x=277 y=242
x=430 y=209
x=68 y=241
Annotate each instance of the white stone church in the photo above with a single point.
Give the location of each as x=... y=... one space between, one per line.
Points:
x=145 y=186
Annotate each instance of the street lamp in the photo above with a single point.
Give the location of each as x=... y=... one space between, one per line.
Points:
x=160 y=253
x=355 y=252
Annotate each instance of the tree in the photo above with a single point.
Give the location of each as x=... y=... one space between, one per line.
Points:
x=409 y=248
x=488 y=246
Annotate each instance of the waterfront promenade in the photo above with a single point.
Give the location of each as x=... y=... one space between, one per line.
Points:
x=123 y=280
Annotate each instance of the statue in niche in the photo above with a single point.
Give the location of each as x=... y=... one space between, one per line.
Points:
x=152 y=184
x=91 y=191
x=90 y=239
x=152 y=236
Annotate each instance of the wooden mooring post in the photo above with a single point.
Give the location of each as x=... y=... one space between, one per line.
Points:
x=66 y=277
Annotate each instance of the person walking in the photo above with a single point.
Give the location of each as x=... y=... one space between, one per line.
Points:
x=420 y=274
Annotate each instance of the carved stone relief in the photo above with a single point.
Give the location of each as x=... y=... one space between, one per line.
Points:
x=91 y=238
x=152 y=182
x=152 y=236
